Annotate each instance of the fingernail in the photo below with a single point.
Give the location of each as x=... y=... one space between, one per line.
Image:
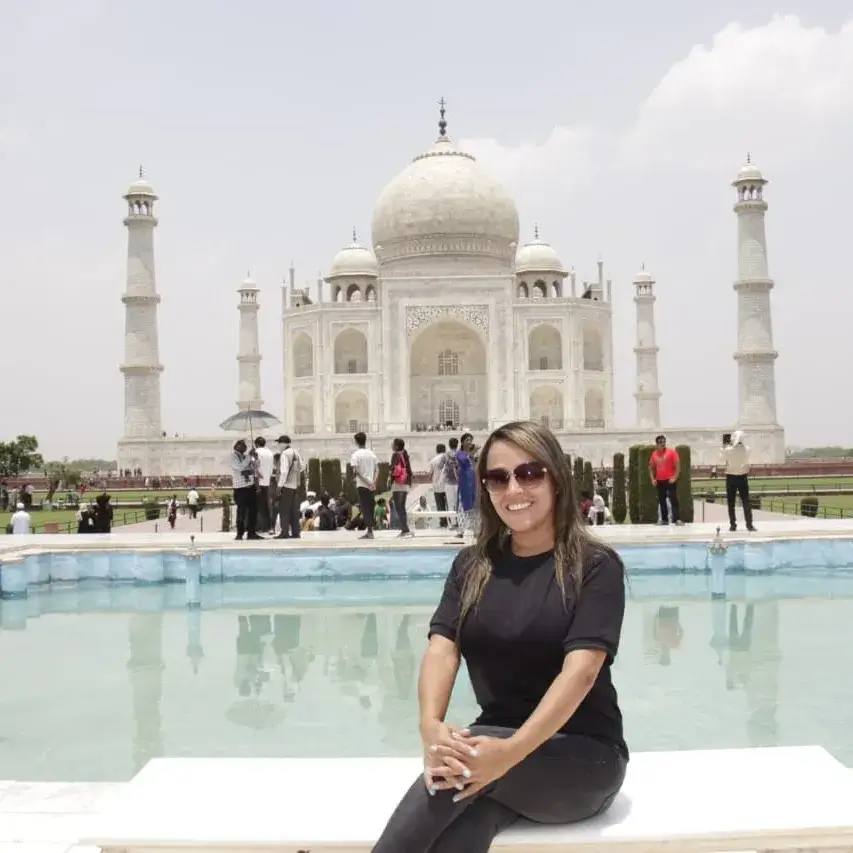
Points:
x=466 y=773
x=474 y=752
x=434 y=748
x=455 y=735
x=460 y=786
x=457 y=798
x=432 y=790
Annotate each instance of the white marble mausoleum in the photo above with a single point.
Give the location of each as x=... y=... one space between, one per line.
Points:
x=447 y=319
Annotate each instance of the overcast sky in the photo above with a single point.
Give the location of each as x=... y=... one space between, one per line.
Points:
x=268 y=128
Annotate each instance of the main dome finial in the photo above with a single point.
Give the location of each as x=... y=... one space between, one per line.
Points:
x=442 y=122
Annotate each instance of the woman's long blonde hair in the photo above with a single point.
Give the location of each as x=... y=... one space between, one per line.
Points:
x=572 y=539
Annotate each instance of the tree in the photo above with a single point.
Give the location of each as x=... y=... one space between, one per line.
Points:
x=588 y=478
x=577 y=476
x=20 y=456
x=617 y=500
x=684 y=484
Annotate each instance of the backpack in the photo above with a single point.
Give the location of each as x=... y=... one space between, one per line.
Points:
x=400 y=474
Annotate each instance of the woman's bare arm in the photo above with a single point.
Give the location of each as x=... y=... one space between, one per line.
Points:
x=439 y=667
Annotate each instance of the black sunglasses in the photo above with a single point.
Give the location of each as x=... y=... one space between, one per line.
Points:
x=526 y=475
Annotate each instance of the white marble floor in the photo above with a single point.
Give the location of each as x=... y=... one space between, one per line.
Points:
x=779 y=527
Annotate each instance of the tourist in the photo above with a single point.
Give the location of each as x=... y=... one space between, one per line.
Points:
x=20 y=521
x=365 y=467
x=85 y=518
x=664 y=470
x=291 y=466
x=380 y=514
x=265 y=466
x=325 y=515
x=598 y=513
x=192 y=502
x=436 y=470
x=103 y=514
x=275 y=491
x=401 y=481
x=172 y=513
x=451 y=480
x=465 y=458
x=535 y=609
x=735 y=462
x=243 y=478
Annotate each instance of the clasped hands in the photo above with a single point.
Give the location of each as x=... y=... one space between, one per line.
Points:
x=456 y=759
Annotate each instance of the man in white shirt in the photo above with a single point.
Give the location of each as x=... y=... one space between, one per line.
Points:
x=265 y=465
x=20 y=521
x=192 y=502
x=436 y=469
x=365 y=466
x=290 y=467
x=735 y=461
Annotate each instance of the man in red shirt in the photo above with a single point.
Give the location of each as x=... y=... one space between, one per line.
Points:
x=664 y=470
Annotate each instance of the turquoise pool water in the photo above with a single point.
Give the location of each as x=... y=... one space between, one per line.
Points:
x=99 y=677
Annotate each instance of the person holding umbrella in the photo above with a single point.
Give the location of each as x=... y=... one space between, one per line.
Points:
x=244 y=472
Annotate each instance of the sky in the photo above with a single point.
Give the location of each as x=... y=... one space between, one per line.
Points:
x=268 y=128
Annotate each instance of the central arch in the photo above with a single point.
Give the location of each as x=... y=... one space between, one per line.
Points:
x=350 y=352
x=448 y=377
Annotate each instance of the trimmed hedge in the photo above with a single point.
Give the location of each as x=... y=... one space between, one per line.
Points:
x=314 y=480
x=684 y=486
x=645 y=509
x=151 y=509
x=588 y=478
x=808 y=506
x=226 y=514
x=618 y=505
x=577 y=476
x=350 y=485
x=383 y=479
x=331 y=478
x=633 y=486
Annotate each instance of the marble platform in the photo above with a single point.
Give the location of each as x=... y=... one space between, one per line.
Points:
x=817 y=546
x=711 y=800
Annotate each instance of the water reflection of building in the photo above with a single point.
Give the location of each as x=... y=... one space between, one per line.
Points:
x=752 y=665
x=145 y=665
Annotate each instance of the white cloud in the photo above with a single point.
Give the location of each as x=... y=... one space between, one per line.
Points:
x=776 y=89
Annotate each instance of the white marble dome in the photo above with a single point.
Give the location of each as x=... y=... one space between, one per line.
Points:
x=749 y=172
x=538 y=256
x=141 y=187
x=354 y=260
x=444 y=202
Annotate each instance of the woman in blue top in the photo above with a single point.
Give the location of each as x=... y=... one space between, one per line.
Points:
x=466 y=459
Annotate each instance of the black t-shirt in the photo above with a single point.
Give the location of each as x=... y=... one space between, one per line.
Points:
x=515 y=640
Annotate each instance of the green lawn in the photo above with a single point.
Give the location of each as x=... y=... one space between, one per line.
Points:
x=67 y=519
x=759 y=484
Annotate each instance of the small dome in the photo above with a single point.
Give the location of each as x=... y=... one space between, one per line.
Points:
x=749 y=172
x=354 y=260
x=642 y=276
x=140 y=187
x=248 y=283
x=538 y=256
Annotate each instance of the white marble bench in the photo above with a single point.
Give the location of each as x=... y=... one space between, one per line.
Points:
x=712 y=801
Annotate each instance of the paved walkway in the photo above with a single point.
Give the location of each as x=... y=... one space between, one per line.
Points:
x=717 y=513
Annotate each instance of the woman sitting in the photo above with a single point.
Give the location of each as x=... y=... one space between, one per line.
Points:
x=535 y=608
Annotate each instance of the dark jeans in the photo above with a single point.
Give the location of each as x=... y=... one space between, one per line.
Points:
x=288 y=512
x=738 y=484
x=367 y=504
x=667 y=490
x=263 y=507
x=441 y=506
x=569 y=778
x=399 y=499
x=246 y=510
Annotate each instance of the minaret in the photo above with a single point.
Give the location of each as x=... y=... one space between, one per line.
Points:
x=755 y=354
x=141 y=367
x=647 y=394
x=249 y=353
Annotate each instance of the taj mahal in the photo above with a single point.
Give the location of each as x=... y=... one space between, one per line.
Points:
x=446 y=322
